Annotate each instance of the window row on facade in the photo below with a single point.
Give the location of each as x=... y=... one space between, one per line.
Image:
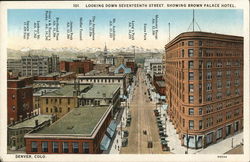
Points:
x=66 y=147
x=210 y=121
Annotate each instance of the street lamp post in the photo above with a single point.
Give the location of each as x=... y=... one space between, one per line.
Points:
x=187 y=141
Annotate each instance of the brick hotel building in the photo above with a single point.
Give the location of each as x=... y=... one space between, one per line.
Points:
x=204 y=86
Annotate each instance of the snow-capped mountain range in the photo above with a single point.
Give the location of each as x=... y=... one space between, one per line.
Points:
x=73 y=52
x=129 y=49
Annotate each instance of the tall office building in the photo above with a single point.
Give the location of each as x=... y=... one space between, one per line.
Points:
x=34 y=65
x=204 y=86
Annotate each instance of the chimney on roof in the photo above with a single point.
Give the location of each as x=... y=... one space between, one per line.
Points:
x=74 y=84
x=36 y=123
x=20 y=117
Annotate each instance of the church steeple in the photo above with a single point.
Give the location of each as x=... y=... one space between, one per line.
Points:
x=105 y=50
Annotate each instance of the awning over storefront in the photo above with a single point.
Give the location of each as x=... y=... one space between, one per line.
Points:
x=111 y=129
x=113 y=125
x=105 y=143
x=110 y=132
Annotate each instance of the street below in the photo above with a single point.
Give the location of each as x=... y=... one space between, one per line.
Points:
x=143 y=128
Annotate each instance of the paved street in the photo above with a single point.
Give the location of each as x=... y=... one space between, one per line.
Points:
x=142 y=119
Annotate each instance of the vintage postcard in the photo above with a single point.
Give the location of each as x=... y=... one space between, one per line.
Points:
x=124 y=81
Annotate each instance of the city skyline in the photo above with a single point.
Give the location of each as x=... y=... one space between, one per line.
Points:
x=208 y=20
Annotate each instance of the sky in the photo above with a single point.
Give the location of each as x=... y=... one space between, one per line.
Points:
x=215 y=21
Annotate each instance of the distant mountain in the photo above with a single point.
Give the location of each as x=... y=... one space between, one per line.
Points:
x=74 y=52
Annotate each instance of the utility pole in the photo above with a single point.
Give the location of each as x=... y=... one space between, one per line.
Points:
x=168 y=32
x=193 y=20
x=187 y=142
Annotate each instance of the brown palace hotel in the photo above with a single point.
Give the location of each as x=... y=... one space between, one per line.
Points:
x=204 y=86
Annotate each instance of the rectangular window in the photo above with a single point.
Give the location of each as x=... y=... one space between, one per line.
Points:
x=228 y=115
x=85 y=147
x=65 y=147
x=209 y=97
x=191 y=75
x=219 y=74
x=191 y=99
x=237 y=73
x=237 y=91
x=191 y=87
x=182 y=52
x=236 y=126
x=237 y=63
x=228 y=83
x=200 y=43
x=228 y=63
x=200 y=111
x=44 y=146
x=236 y=82
x=183 y=122
x=190 y=43
x=75 y=147
x=191 y=111
x=228 y=92
x=200 y=75
x=219 y=64
x=209 y=64
x=209 y=86
x=219 y=84
x=200 y=52
x=190 y=52
x=191 y=124
x=219 y=95
x=200 y=124
x=236 y=112
x=190 y=64
x=209 y=75
x=219 y=133
x=55 y=147
x=228 y=73
x=33 y=146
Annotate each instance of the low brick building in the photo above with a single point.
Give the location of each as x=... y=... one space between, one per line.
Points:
x=77 y=66
x=61 y=76
x=17 y=131
x=60 y=101
x=82 y=131
x=159 y=84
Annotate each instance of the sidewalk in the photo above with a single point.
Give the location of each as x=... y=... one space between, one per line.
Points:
x=219 y=148
x=117 y=142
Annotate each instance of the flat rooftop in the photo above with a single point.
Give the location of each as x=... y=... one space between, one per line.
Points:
x=54 y=74
x=65 y=91
x=44 y=91
x=80 y=121
x=101 y=91
x=30 y=123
